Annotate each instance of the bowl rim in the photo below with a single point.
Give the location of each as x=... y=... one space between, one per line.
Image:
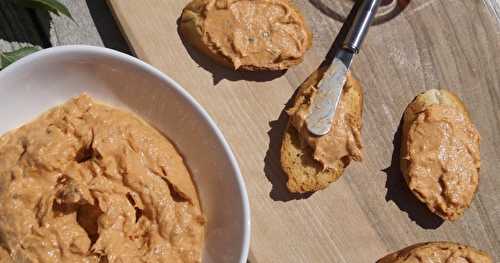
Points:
x=62 y=50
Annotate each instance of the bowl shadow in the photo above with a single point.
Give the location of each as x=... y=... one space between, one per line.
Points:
x=400 y=194
x=220 y=72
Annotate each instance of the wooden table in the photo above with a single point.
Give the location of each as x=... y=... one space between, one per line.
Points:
x=369 y=211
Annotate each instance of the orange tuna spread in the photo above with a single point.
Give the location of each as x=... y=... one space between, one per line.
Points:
x=89 y=183
x=260 y=33
x=444 y=160
x=342 y=142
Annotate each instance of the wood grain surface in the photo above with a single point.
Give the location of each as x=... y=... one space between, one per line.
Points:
x=369 y=212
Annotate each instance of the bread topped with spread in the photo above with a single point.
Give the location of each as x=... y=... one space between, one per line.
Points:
x=440 y=156
x=313 y=162
x=437 y=252
x=247 y=34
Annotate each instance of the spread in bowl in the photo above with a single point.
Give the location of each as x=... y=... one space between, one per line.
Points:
x=86 y=182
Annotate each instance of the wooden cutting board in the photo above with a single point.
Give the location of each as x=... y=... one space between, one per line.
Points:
x=369 y=211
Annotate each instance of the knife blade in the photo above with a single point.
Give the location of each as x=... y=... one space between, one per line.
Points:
x=330 y=87
x=324 y=104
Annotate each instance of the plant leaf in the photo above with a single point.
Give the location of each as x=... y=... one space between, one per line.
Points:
x=53 y=6
x=8 y=58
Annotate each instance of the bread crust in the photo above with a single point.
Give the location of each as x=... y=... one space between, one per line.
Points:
x=418 y=105
x=305 y=174
x=191 y=28
x=404 y=254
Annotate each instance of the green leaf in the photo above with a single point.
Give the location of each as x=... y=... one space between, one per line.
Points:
x=8 y=58
x=53 y=6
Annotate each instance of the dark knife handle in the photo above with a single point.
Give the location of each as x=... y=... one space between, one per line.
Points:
x=360 y=25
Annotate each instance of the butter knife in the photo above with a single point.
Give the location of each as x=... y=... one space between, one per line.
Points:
x=319 y=120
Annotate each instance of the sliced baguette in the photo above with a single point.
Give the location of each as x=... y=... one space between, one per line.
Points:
x=417 y=106
x=439 y=252
x=305 y=174
x=192 y=28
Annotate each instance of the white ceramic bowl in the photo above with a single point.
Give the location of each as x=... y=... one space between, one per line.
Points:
x=49 y=77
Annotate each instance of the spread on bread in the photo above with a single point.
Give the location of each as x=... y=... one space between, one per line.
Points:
x=89 y=183
x=441 y=153
x=437 y=252
x=310 y=162
x=343 y=140
x=247 y=34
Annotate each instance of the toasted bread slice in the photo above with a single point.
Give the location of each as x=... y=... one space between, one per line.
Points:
x=418 y=106
x=254 y=45
x=305 y=174
x=438 y=252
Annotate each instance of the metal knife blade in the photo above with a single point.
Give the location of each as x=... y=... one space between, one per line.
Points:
x=324 y=104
